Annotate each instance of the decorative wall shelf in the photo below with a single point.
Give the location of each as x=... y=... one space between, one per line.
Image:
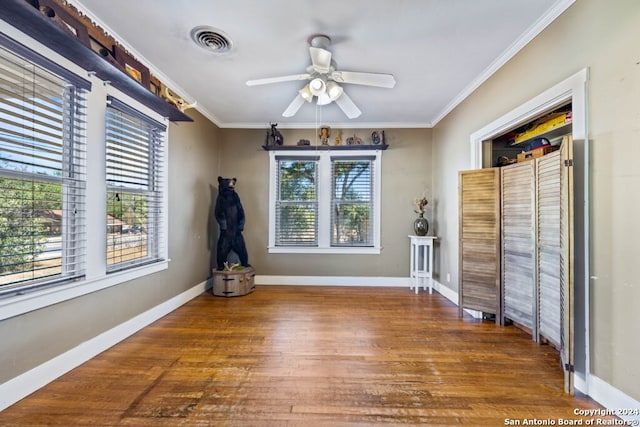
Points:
x=26 y=18
x=324 y=147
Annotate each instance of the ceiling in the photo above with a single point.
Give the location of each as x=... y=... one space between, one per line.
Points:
x=438 y=51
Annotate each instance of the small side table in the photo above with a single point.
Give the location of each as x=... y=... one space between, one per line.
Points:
x=422 y=262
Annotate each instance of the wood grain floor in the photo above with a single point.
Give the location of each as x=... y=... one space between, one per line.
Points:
x=310 y=356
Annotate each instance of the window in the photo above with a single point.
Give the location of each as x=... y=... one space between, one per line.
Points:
x=134 y=144
x=42 y=171
x=352 y=196
x=325 y=202
x=57 y=193
x=297 y=202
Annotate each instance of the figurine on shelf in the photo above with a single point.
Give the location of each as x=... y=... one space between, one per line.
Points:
x=338 y=139
x=274 y=137
x=376 y=138
x=324 y=134
x=178 y=102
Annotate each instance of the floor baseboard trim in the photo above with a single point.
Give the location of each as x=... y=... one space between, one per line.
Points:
x=616 y=401
x=23 y=385
x=332 y=280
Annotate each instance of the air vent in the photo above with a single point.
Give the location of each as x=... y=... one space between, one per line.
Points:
x=211 y=39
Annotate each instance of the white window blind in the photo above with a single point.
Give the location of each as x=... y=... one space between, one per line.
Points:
x=134 y=162
x=297 y=201
x=352 y=197
x=42 y=171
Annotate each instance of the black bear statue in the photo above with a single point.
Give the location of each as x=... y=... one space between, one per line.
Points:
x=230 y=217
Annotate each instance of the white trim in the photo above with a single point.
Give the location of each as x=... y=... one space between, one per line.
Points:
x=543 y=22
x=334 y=125
x=352 y=250
x=20 y=304
x=571 y=89
x=446 y=292
x=373 y=281
x=613 y=399
x=21 y=386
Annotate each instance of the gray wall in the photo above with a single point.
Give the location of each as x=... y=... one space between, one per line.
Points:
x=602 y=36
x=406 y=173
x=33 y=338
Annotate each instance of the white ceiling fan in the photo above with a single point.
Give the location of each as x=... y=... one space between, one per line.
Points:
x=324 y=78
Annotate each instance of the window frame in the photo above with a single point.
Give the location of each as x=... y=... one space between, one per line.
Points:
x=324 y=191
x=152 y=190
x=53 y=153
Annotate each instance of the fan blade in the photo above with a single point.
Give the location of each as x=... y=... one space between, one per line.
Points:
x=321 y=59
x=347 y=106
x=269 y=80
x=295 y=105
x=367 y=79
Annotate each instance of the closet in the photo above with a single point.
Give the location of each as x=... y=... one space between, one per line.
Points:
x=516 y=242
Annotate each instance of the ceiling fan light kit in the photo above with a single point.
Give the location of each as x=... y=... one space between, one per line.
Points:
x=323 y=80
x=317 y=86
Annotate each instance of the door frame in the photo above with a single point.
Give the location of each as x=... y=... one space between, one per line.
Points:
x=573 y=89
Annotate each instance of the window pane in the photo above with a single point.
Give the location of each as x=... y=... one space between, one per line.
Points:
x=352 y=202
x=42 y=166
x=127 y=215
x=134 y=193
x=297 y=180
x=297 y=206
x=30 y=230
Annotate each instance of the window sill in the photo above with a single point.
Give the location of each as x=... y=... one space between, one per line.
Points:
x=21 y=304
x=332 y=250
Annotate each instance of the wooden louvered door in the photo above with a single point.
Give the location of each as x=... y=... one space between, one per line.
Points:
x=566 y=262
x=549 y=239
x=554 y=192
x=479 y=241
x=519 y=284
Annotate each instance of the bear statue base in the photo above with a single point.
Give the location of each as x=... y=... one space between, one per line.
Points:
x=233 y=283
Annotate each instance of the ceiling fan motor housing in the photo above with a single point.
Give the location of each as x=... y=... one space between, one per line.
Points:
x=319 y=40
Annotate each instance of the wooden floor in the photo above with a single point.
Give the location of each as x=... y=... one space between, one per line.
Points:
x=311 y=356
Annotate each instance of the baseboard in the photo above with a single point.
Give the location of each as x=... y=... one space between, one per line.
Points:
x=332 y=281
x=617 y=402
x=446 y=292
x=23 y=385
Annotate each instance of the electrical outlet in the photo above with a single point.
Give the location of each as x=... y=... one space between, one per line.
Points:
x=448 y=278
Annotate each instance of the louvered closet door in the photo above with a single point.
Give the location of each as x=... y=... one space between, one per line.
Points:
x=479 y=244
x=518 y=245
x=549 y=261
x=566 y=262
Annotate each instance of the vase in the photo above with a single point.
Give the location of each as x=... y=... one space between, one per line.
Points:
x=421 y=226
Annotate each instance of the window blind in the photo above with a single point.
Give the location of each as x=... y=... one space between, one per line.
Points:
x=134 y=165
x=42 y=173
x=352 y=197
x=297 y=202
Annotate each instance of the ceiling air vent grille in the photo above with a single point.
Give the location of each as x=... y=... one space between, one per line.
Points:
x=211 y=39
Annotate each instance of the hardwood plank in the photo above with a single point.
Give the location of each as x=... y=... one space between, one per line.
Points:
x=310 y=356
